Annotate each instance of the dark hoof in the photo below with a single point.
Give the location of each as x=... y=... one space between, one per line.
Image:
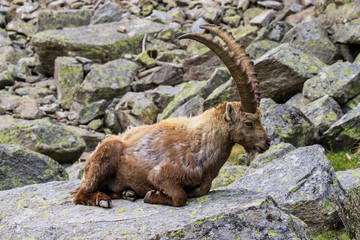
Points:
x=129 y=195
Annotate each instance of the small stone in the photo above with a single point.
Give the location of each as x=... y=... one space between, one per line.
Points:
x=95 y=124
x=243 y=4
x=271 y=4
x=264 y=18
x=121 y=29
x=145 y=60
x=232 y=21
x=55 y=5
x=92 y=111
x=29 y=109
x=298 y=17
x=211 y=15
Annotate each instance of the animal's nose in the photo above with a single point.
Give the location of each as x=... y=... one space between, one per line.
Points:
x=268 y=143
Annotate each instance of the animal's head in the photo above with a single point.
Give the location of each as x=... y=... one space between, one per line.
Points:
x=246 y=128
x=244 y=118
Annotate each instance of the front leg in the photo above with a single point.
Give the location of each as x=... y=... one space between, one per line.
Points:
x=201 y=190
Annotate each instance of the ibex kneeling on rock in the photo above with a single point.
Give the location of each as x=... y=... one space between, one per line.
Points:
x=178 y=158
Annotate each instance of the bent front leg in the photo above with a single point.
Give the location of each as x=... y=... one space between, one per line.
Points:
x=201 y=190
x=100 y=168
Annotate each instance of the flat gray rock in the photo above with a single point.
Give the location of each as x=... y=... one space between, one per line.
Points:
x=100 y=43
x=46 y=211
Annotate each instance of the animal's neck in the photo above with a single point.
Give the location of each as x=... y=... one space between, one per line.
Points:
x=213 y=143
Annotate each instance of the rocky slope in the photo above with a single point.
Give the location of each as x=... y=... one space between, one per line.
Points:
x=72 y=71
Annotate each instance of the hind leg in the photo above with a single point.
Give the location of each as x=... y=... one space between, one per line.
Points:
x=99 y=170
x=170 y=192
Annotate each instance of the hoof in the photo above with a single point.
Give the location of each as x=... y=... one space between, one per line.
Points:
x=129 y=195
x=148 y=195
x=105 y=203
x=102 y=200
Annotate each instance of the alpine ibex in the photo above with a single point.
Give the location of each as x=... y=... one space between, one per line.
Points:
x=178 y=158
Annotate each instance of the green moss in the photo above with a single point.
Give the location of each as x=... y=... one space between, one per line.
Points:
x=340 y=159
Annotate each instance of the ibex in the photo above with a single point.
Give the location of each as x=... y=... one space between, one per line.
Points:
x=178 y=158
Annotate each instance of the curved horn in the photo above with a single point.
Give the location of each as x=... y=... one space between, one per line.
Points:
x=248 y=101
x=241 y=56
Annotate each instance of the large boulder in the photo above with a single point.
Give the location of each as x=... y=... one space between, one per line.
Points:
x=20 y=166
x=283 y=70
x=274 y=152
x=303 y=181
x=46 y=137
x=227 y=214
x=285 y=123
x=310 y=37
x=107 y=81
x=62 y=19
x=340 y=81
x=344 y=133
x=100 y=43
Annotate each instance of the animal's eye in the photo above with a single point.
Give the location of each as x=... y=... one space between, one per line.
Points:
x=249 y=124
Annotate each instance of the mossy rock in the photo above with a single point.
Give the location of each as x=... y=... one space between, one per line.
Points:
x=259 y=48
x=228 y=174
x=63 y=19
x=69 y=74
x=310 y=37
x=191 y=108
x=349 y=179
x=344 y=133
x=284 y=70
x=225 y=92
x=92 y=111
x=274 y=152
x=20 y=167
x=323 y=112
x=348 y=33
x=46 y=137
x=4 y=38
x=107 y=81
x=340 y=81
x=285 y=123
x=298 y=101
x=351 y=104
x=188 y=90
x=100 y=43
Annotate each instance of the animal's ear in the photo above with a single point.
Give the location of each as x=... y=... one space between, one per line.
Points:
x=230 y=113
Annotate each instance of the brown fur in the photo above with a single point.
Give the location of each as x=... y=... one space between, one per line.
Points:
x=172 y=160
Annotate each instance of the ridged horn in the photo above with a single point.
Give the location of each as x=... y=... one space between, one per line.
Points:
x=245 y=66
x=228 y=58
